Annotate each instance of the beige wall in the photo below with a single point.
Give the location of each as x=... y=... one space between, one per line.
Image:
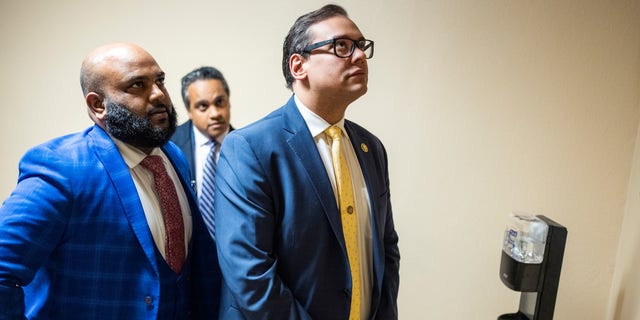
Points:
x=624 y=301
x=486 y=107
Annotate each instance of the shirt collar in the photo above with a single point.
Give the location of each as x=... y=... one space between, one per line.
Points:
x=201 y=139
x=131 y=155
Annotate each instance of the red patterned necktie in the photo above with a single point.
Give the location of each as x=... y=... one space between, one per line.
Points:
x=171 y=213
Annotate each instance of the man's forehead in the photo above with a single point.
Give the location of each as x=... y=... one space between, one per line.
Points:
x=128 y=59
x=132 y=67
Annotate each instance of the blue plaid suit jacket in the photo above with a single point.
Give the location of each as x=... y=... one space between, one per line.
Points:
x=74 y=240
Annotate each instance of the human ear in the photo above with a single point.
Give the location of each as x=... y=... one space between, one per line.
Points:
x=97 y=108
x=297 y=67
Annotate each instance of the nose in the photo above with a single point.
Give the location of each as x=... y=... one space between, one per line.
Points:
x=358 y=55
x=213 y=111
x=158 y=93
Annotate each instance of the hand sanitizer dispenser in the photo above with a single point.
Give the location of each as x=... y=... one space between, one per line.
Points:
x=532 y=254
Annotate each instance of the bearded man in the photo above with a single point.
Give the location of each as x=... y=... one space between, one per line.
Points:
x=103 y=223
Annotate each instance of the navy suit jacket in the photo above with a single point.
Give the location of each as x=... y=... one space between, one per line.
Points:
x=184 y=139
x=75 y=241
x=279 y=237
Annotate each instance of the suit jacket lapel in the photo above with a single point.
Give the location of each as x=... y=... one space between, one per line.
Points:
x=303 y=146
x=118 y=172
x=367 y=160
x=183 y=137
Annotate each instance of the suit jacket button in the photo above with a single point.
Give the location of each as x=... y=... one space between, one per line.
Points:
x=148 y=300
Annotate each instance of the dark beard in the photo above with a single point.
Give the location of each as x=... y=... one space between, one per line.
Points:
x=137 y=131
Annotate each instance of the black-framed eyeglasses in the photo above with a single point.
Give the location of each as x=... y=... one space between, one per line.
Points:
x=344 y=47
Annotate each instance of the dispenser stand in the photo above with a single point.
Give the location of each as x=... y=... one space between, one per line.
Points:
x=539 y=304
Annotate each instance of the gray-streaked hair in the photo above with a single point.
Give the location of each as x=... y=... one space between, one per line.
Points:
x=202 y=73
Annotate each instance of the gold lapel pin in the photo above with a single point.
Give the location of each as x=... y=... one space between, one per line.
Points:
x=364 y=147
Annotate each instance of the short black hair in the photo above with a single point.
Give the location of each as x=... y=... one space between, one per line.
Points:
x=202 y=73
x=298 y=37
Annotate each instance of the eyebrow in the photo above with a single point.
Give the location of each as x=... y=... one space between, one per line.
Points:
x=160 y=74
x=216 y=97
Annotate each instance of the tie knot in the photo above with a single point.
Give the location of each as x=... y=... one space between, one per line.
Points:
x=214 y=147
x=333 y=132
x=153 y=163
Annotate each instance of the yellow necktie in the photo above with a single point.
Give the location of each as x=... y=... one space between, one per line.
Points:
x=347 y=215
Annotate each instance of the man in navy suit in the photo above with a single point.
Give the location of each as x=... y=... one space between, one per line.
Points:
x=85 y=234
x=205 y=93
x=280 y=240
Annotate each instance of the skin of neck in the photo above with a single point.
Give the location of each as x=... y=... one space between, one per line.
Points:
x=326 y=106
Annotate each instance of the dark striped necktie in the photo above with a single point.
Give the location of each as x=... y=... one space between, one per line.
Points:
x=208 y=190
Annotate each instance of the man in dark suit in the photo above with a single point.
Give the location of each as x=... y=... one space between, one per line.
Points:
x=286 y=240
x=205 y=93
x=103 y=223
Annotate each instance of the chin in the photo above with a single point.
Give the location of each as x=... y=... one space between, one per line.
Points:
x=361 y=91
x=213 y=134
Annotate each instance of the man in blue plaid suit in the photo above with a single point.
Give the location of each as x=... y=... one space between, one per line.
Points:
x=82 y=236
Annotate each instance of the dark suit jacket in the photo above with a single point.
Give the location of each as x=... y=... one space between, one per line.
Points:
x=75 y=236
x=279 y=237
x=184 y=139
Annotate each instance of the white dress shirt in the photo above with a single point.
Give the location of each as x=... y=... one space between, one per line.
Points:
x=203 y=146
